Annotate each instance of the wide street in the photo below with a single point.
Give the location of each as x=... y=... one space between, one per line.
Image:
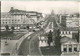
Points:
x=30 y=46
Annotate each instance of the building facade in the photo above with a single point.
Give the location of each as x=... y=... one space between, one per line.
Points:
x=69 y=47
x=63 y=20
x=66 y=33
x=43 y=41
x=19 y=18
x=69 y=32
x=72 y=21
x=69 y=20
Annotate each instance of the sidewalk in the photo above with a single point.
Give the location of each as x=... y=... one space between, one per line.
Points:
x=7 y=48
x=12 y=45
x=17 y=45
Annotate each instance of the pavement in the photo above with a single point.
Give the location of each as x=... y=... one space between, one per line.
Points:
x=12 y=45
x=9 y=47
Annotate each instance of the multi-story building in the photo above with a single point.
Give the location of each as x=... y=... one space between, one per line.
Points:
x=69 y=42
x=72 y=21
x=62 y=20
x=16 y=20
x=69 y=32
x=19 y=18
x=79 y=22
x=69 y=20
x=69 y=47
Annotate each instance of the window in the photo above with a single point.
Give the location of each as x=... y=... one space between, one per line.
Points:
x=9 y=20
x=65 y=48
x=6 y=22
x=75 y=47
x=3 y=22
x=69 y=32
x=70 y=48
x=66 y=32
x=12 y=22
x=62 y=32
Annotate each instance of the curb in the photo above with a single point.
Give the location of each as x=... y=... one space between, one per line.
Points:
x=17 y=45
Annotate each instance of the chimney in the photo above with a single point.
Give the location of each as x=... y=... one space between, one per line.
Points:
x=12 y=8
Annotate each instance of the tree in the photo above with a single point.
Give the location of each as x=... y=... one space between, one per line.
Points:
x=12 y=29
x=27 y=27
x=77 y=36
x=50 y=37
x=6 y=32
x=58 y=32
x=57 y=38
x=7 y=27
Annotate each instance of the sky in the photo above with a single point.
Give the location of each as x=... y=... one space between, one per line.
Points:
x=42 y=6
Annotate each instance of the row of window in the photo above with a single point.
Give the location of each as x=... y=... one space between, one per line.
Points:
x=10 y=20
x=75 y=45
x=66 y=32
x=70 y=48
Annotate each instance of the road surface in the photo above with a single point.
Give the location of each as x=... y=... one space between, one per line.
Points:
x=31 y=46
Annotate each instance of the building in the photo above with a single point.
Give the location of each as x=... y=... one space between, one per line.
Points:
x=43 y=41
x=62 y=20
x=19 y=18
x=68 y=32
x=79 y=22
x=69 y=47
x=72 y=21
x=16 y=20
x=69 y=20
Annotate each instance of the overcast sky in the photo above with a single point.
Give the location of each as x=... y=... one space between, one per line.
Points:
x=42 y=6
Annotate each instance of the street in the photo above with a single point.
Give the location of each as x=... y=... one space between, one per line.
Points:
x=31 y=46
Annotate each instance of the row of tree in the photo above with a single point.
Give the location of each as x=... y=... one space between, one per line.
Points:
x=7 y=29
x=50 y=38
x=57 y=38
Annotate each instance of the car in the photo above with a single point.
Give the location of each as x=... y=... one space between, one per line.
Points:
x=29 y=38
x=38 y=26
x=36 y=29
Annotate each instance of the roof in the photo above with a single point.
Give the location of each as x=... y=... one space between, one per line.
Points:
x=69 y=29
x=66 y=39
x=16 y=10
x=31 y=12
x=5 y=14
